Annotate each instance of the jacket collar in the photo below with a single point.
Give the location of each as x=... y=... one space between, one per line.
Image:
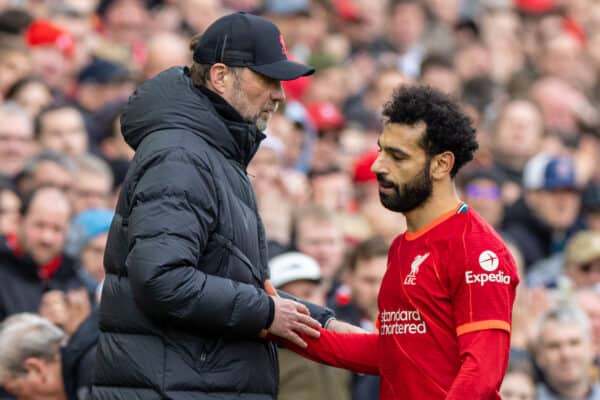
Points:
x=245 y=135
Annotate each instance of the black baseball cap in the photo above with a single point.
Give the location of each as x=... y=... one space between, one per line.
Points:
x=247 y=40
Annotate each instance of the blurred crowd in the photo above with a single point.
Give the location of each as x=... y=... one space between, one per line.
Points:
x=527 y=72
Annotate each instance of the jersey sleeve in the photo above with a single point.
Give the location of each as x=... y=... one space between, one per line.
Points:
x=483 y=284
x=354 y=351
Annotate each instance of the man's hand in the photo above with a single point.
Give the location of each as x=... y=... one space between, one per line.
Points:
x=292 y=318
x=336 y=325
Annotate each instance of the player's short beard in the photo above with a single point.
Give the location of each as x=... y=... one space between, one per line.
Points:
x=410 y=195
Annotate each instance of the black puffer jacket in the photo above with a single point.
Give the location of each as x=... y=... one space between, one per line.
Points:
x=182 y=304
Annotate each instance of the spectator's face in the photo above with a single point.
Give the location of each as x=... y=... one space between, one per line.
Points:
x=126 y=21
x=33 y=97
x=485 y=196
x=442 y=78
x=14 y=65
x=44 y=228
x=51 y=65
x=517 y=386
x=9 y=212
x=584 y=275
x=519 y=132
x=473 y=61
x=16 y=143
x=402 y=168
x=91 y=191
x=406 y=25
x=265 y=167
x=42 y=380
x=255 y=97
x=564 y=354
x=164 y=51
x=558 y=208
x=92 y=257
x=322 y=241
x=561 y=57
x=332 y=191
x=365 y=282
x=52 y=174
x=63 y=131
x=304 y=290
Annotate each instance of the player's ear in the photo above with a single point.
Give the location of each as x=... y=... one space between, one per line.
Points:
x=441 y=165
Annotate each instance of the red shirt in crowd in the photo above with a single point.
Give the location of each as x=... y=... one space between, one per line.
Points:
x=445 y=315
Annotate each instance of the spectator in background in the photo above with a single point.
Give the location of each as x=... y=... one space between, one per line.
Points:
x=47 y=169
x=52 y=49
x=517 y=136
x=88 y=243
x=302 y=379
x=519 y=381
x=10 y=208
x=328 y=121
x=406 y=25
x=542 y=221
x=273 y=194
x=590 y=207
x=92 y=184
x=482 y=190
x=365 y=107
x=588 y=300
x=318 y=234
x=582 y=260
x=125 y=24
x=165 y=50
x=33 y=260
x=61 y=128
x=102 y=82
x=15 y=63
x=438 y=71
x=113 y=146
x=16 y=139
x=563 y=352
x=35 y=362
x=30 y=365
x=356 y=301
x=331 y=188
x=31 y=93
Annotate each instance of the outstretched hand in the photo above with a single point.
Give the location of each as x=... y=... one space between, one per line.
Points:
x=292 y=318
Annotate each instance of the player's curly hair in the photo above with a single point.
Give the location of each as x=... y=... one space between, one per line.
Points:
x=447 y=127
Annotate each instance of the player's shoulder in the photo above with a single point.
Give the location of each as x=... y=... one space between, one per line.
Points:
x=475 y=237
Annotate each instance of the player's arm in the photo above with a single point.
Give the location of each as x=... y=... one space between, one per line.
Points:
x=354 y=351
x=484 y=357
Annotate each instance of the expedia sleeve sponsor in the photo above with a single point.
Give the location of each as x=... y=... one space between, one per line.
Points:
x=402 y=322
x=484 y=278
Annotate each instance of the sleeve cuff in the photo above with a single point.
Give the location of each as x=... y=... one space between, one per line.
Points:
x=271 y=316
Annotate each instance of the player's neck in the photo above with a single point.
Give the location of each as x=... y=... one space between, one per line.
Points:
x=443 y=199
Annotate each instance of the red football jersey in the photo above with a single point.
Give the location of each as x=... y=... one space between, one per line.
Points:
x=452 y=277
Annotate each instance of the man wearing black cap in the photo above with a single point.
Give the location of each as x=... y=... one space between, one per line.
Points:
x=187 y=296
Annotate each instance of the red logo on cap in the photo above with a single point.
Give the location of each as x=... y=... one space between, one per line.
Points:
x=283 y=49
